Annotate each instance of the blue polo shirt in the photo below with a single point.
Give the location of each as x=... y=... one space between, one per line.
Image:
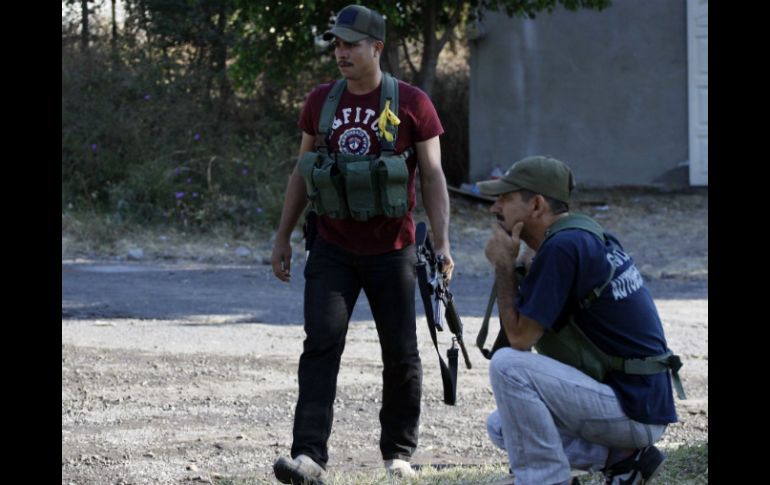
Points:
x=622 y=322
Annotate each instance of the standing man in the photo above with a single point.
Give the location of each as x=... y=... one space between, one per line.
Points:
x=597 y=395
x=363 y=138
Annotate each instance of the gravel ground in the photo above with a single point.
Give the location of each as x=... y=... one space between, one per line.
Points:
x=177 y=370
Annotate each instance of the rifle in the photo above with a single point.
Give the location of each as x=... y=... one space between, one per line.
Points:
x=439 y=303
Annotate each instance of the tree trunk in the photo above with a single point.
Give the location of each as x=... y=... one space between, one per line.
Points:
x=84 y=33
x=391 y=62
x=430 y=50
x=115 y=55
x=114 y=38
x=428 y=66
x=432 y=46
x=220 y=59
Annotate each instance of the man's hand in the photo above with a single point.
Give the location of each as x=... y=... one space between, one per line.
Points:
x=503 y=248
x=281 y=261
x=294 y=203
x=448 y=264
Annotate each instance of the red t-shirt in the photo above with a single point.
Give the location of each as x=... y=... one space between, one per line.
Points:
x=354 y=131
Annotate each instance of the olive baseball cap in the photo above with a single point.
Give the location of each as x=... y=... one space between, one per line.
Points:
x=355 y=23
x=539 y=174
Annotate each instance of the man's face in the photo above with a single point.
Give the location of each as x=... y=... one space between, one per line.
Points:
x=509 y=209
x=356 y=60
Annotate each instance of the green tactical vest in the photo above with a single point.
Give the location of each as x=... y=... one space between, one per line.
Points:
x=357 y=186
x=571 y=346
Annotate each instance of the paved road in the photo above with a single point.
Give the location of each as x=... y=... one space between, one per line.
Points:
x=245 y=293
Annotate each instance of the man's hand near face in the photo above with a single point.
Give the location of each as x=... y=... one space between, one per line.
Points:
x=503 y=248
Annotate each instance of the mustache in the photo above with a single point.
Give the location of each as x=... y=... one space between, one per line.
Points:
x=344 y=64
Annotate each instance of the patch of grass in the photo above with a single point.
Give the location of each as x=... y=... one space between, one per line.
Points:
x=687 y=465
x=85 y=234
x=456 y=475
x=453 y=475
x=107 y=236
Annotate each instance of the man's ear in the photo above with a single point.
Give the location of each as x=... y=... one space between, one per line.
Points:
x=379 y=46
x=540 y=205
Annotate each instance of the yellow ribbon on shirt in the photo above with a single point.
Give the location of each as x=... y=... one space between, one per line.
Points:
x=387 y=116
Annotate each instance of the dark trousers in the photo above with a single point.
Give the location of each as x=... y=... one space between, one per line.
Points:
x=333 y=280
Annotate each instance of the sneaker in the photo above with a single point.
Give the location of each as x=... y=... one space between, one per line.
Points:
x=399 y=468
x=302 y=470
x=638 y=469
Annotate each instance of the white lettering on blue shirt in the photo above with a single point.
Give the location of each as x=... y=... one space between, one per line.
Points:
x=617 y=258
x=627 y=283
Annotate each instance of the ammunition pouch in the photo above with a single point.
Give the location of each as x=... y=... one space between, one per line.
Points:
x=357 y=186
x=392 y=177
x=324 y=184
x=360 y=187
x=571 y=346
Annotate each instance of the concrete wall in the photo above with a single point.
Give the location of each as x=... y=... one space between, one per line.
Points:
x=606 y=92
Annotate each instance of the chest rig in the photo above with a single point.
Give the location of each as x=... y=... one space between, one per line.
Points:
x=358 y=186
x=570 y=345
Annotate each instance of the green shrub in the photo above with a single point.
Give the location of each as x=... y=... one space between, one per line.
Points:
x=149 y=149
x=147 y=139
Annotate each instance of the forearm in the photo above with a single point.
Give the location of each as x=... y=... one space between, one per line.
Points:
x=502 y=250
x=436 y=200
x=522 y=332
x=295 y=201
x=507 y=290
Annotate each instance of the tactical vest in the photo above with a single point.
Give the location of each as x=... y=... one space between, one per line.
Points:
x=569 y=345
x=358 y=186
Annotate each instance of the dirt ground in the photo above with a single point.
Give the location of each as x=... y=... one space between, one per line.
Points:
x=177 y=370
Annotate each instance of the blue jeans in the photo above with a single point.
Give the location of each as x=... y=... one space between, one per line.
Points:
x=334 y=279
x=551 y=417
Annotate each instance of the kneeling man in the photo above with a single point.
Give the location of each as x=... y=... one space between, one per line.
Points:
x=597 y=394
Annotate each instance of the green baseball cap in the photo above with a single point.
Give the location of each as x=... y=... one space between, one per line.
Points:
x=539 y=174
x=355 y=23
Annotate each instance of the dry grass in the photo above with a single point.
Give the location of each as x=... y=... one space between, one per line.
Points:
x=99 y=237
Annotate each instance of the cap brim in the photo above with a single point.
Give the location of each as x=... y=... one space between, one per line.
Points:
x=496 y=187
x=345 y=34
